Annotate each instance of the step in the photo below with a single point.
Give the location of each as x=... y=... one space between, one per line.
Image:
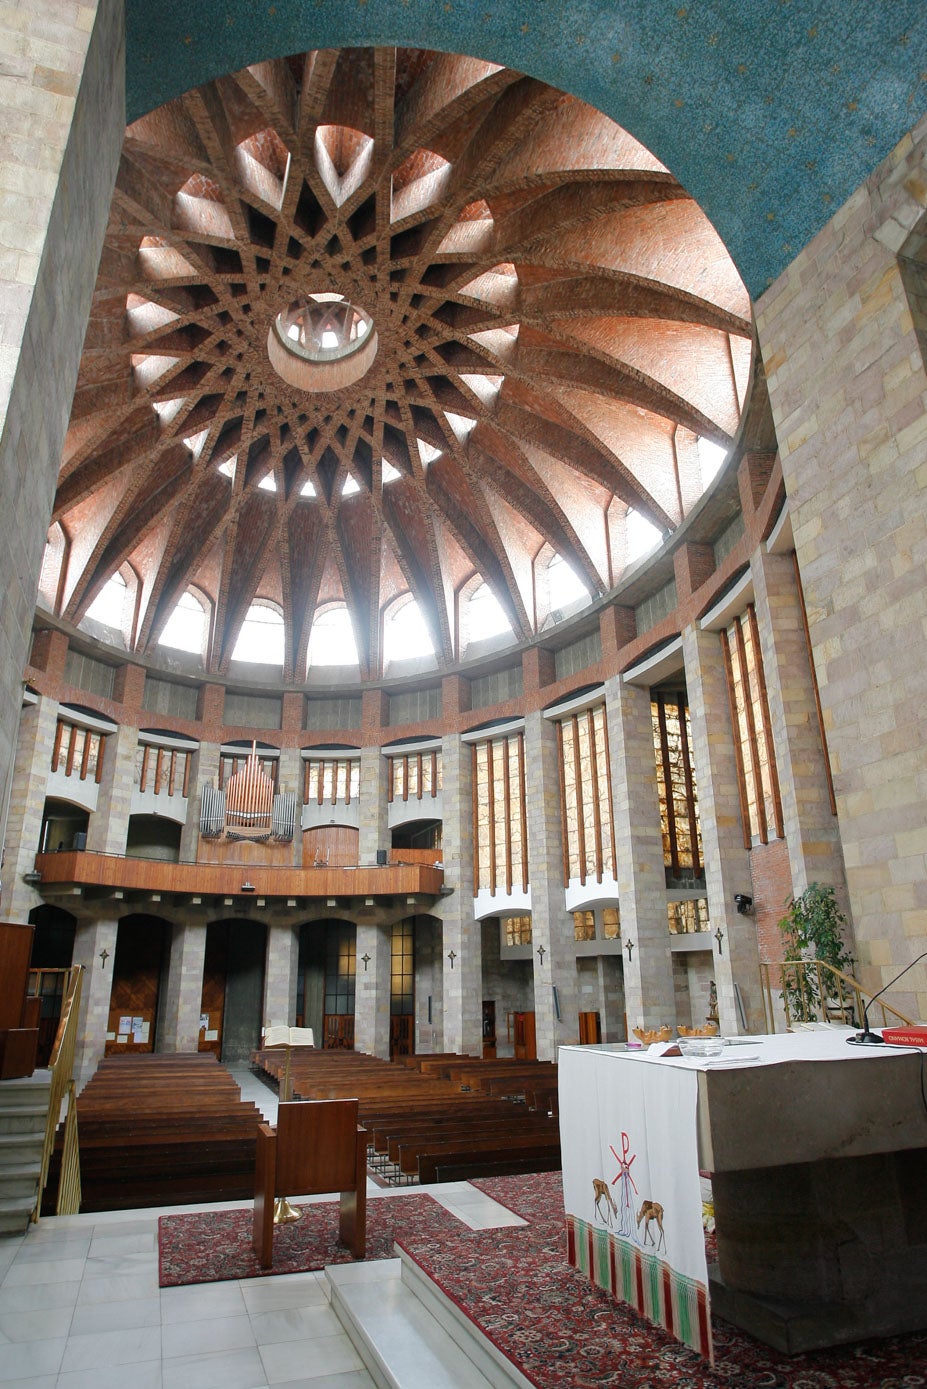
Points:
x=402 y=1342
x=19 y=1148
x=26 y=1090
x=15 y=1214
x=24 y=1118
x=19 y=1179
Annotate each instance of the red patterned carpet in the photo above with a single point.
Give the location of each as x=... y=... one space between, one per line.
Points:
x=517 y=1286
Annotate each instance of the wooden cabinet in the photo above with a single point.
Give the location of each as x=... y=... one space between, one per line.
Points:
x=523 y=1036
x=590 y=1029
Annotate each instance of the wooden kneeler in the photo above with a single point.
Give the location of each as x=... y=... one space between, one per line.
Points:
x=316 y=1147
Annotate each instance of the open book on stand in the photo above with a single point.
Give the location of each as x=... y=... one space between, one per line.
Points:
x=278 y=1035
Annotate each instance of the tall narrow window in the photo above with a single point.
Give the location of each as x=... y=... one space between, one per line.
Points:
x=672 y=744
x=761 y=806
x=499 y=814
x=586 y=801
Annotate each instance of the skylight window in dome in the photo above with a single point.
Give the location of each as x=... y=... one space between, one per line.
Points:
x=228 y=467
x=195 y=442
x=711 y=456
x=427 y=452
x=331 y=641
x=405 y=634
x=642 y=536
x=308 y=489
x=483 y=386
x=261 y=639
x=185 y=629
x=390 y=473
x=485 y=616
x=167 y=410
x=268 y=483
x=564 y=587
x=351 y=485
x=460 y=424
x=109 y=605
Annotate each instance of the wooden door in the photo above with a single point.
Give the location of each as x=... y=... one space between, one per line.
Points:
x=133 y=1000
x=401 y=1035
x=489 y=1029
x=338 y=1032
x=590 y=1029
x=526 y=1048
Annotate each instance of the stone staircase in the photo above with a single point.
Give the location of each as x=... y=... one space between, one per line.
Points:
x=409 y=1334
x=23 y=1112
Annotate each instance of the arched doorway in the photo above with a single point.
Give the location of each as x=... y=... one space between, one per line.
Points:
x=52 y=953
x=232 y=1002
x=141 y=960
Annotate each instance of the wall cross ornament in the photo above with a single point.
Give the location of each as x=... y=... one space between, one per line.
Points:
x=104 y=956
x=719 y=937
x=452 y=956
x=366 y=959
x=629 y=947
x=541 y=952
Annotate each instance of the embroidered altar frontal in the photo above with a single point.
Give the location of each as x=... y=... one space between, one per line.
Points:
x=631 y=1186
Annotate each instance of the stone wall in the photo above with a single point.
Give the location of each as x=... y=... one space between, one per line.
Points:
x=62 y=118
x=847 y=386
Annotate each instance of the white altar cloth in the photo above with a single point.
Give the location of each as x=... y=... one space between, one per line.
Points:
x=631 y=1184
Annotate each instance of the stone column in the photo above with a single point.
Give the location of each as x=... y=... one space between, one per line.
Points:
x=91 y=938
x=462 y=977
x=727 y=862
x=62 y=121
x=551 y=924
x=648 y=974
x=280 y=974
x=372 y=990
x=373 y=831
x=181 y=1017
x=109 y=823
x=205 y=770
x=809 y=823
x=842 y=335
x=27 y=805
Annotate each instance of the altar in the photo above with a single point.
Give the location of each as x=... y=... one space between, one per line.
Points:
x=818 y=1157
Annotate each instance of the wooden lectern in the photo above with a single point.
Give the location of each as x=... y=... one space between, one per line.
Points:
x=316 y=1147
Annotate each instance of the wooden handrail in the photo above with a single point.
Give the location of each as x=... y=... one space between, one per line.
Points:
x=61 y=1066
x=828 y=990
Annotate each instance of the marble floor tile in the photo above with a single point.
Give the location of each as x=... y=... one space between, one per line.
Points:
x=22 y=1297
x=40 y=1272
x=99 y=1350
x=116 y=1315
x=309 y=1359
x=236 y=1369
x=201 y=1301
x=142 y=1375
x=294 y=1324
x=37 y=1324
x=107 y=1287
x=199 y=1337
x=31 y=1358
x=288 y=1290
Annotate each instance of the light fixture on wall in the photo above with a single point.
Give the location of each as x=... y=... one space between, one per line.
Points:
x=248 y=887
x=556 y=994
x=744 y=903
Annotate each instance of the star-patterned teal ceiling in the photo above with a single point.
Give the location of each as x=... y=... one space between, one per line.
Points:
x=770 y=112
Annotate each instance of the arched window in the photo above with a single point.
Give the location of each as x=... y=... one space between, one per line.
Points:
x=564 y=588
x=642 y=535
x=188 y=625
x=405 y=633
x=261 y=639
x=110 y=603
x=481 y=615
x=331 y=641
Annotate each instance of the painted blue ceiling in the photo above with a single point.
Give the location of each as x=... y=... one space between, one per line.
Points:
x=770 y=112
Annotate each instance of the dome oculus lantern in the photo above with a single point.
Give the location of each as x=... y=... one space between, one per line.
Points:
x=322 y=342
x=437 y=321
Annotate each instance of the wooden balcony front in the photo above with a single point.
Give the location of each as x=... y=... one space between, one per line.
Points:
x=116 y=873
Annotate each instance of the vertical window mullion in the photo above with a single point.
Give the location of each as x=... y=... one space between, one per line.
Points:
x=749 y=696
x=763 y=700
x=564 y=830
x=694 y=836
x=735 y=730
x=594 y=787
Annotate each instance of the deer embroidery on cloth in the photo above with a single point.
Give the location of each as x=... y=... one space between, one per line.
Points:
x=602 y=1192
x=652 y=1210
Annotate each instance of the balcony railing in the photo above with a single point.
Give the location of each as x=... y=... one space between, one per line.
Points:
x=119 y=872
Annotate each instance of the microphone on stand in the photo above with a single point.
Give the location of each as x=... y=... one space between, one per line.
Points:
x=868 y=1038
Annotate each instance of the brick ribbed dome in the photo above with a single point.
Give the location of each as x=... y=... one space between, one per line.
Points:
x=557 y=325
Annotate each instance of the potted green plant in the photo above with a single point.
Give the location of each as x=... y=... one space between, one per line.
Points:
x=813 y=929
